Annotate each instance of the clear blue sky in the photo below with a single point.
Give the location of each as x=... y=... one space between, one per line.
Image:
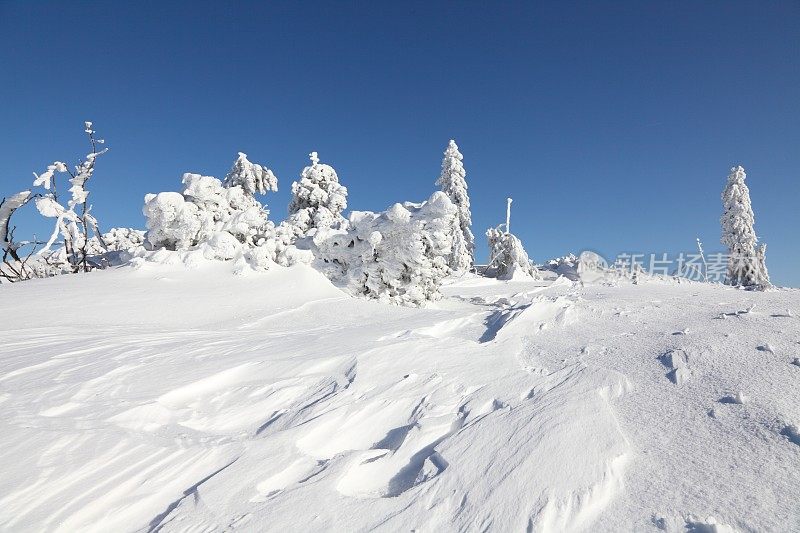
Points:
x=613 y=125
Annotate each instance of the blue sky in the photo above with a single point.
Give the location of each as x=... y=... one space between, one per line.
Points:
x=612 y=125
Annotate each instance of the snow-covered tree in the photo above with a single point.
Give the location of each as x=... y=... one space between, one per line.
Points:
x=398 y=256
x=507 y=257
x=13 y=267
x=318 y=199
x=251 y=177
x=7 y=208
x=452 y=182
x=75 y=226
x=746 y=261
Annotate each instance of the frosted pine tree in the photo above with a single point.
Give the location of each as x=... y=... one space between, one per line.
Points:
x=453 y=183
x=252 y=178
x=746 y=261
x=318 y=199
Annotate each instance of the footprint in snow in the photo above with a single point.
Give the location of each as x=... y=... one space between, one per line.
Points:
x=677 y=361
x=709 y=525
x=738 y=399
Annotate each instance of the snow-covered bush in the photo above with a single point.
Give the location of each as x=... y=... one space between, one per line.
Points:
x=747 y=259
x=172 y=222
x=398 y=256
x=110 y=248
x=318 y=199
x=453 y=182
x=205 y=208
x=224 y=218
x=507 y=257
x=121 y=239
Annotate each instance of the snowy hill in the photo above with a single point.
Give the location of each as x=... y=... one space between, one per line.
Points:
x=174 y=400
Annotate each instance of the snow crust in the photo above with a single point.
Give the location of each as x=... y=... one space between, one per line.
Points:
x=195 y=400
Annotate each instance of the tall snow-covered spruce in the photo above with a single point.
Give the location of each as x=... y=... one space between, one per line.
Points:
x=746 y=261
x=453 y=182
x=318 y=199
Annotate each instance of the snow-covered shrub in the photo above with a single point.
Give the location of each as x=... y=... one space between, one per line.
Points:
x=453 y=182
x=507 y=257
x=121 y=239
x=201 y=213
x=398 y=256
x=172 y=222
x=318 y=199
x=286 y=250
x=222 y=245
x=111 y=248
x=747 y=259
x=224 y=219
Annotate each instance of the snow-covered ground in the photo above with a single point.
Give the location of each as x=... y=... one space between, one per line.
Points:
x=168 y=399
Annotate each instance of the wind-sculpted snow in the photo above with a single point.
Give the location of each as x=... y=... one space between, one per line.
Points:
x=194 y=400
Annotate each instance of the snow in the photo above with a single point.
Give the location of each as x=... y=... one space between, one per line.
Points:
x=195 y=400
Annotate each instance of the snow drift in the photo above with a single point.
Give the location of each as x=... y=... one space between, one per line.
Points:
x=195 y=400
